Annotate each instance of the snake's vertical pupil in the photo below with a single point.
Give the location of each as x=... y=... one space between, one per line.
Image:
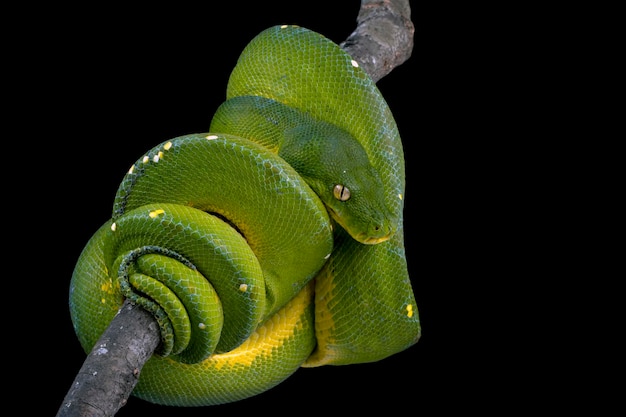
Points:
x=341 y=192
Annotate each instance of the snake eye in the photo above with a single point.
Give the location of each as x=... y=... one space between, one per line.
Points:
x=341 y=193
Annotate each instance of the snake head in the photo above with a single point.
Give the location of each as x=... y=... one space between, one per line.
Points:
x=336 y=166
x=358 y=210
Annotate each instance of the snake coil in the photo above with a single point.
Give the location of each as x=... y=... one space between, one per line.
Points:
x=273 y=241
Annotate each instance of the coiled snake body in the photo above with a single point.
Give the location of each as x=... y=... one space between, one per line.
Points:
x=273 y=241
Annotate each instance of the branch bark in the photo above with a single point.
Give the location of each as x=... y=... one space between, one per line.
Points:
x=112 y=368
x=382 y=40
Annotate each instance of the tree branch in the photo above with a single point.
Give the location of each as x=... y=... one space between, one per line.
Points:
x=112 y=368
x=382 y=40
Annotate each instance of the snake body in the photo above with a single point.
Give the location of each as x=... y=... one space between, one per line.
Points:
x=272 y=242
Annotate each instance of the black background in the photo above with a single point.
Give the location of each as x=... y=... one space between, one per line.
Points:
x=112 y=83
x=487 y=107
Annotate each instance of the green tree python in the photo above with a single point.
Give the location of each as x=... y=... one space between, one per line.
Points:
x=274 y=241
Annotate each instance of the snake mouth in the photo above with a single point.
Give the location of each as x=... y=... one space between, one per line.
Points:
x=373 y=240
x=373 y=235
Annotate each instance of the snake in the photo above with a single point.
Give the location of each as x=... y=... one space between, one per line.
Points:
x=271 y=242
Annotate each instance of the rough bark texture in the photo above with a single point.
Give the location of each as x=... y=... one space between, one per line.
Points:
x=112 y=368
x=382 y=40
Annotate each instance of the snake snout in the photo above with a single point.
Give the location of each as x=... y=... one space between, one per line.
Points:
x=377 y=232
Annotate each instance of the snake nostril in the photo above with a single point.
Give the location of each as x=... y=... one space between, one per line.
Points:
x=376 y=230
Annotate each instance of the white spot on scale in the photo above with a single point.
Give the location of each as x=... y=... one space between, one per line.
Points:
x=113 y=227
x=145 y=160
x=354 y=63
x=212 y=137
